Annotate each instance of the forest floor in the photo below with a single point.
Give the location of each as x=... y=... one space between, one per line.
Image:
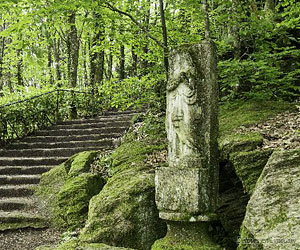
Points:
x=28 y=239
x=280 y=132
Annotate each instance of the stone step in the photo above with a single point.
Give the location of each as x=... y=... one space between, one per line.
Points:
x=15 y=170
x=19 y=179
x=47 y=152
x=124 y=117
x=121 y=113
x=31 y=161
x=70 y=144
x=111 y=112
x=17 y=220
x=70 y=138
x=92 y=125
x=65 y=132
x=15 y=203
x=17 y=190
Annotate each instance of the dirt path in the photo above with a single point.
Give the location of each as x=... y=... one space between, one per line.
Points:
x=28 y=239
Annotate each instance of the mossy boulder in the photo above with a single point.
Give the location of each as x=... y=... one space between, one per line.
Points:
x=241 y=165
x=67 y=189
x=81 y=163
x=74 y=197
x=239 y=143
x=76 y=245
x=50 y=184
x=124 y=213
x=249 y=165
x=272 y=218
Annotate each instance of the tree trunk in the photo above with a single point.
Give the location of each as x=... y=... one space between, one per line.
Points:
x=165 y=35
x=134 y=62
x=110 y=66
x=73 y=51
x=1 y=61
x=85 y=71
x=97 y=57
x=73 y=55
x=206 y=20
x=145 y=63
x=19 y=68
x=236 y=30
x=56 y=48
x=122 y=63
x=50 y=62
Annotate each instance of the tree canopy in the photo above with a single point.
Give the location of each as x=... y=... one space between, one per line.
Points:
x=121 y=48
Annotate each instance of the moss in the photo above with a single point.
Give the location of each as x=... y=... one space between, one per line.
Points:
x=74 y=197
x=239 y=113
x=63 y=182
x=239 y=142
x=249 y=166
x=124 y=213
x=50 y=184
x=272 y=209
x=132 y=154
x=68 y=245
x=53 y=179
x=97 y=246
x=247 y=241
x=186 y=236
x=81 y=163
x=279 y=218
x=74 y=244
x=20 y=225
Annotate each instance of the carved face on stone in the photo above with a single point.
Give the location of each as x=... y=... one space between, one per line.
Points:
x=183 y=110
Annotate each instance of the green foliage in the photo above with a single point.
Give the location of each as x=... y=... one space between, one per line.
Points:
x=25 y=116
x=131 y=92
x=268 y=67
x=35 y=48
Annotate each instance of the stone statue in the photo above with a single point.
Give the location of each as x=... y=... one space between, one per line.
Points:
x=186 y=190
x=184 y=118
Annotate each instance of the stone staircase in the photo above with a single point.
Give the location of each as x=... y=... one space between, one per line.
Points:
x=23 y=162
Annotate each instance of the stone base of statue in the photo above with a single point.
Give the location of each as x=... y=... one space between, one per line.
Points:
x=186 y=236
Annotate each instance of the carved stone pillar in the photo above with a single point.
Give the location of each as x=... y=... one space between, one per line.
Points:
x=187 y=190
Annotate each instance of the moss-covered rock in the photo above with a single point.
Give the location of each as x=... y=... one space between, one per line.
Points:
x=50 y=185
x=247 y=241
x=272 y=216
x=76 y=245
x=81 y=163
x=132 y=156
x=241 y=165
x=239 y=142
x=74 y=197
x=186 y=236
x=67 y=189
x=249 y=165
x=124 y=213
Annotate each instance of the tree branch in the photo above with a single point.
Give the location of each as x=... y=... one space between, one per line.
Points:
x=61 y=33
x=111 y=7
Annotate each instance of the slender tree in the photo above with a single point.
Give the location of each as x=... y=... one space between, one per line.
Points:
x=165 y=35
x=97 y=55
x=73 y=50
